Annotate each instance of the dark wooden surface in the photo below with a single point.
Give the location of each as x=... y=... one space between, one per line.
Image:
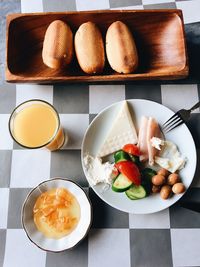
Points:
x=159 y=36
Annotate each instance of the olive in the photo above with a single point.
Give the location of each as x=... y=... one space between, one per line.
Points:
x=163 y=172
x=173 y=179
x=165 y=191
x=155 y=188
x=158 y=179
x=178 y=188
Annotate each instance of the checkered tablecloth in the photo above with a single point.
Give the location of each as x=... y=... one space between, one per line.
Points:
x=168 y=238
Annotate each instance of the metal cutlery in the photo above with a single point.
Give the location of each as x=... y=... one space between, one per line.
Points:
x=178 y=118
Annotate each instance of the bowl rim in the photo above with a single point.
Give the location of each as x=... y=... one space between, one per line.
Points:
x=23 y=212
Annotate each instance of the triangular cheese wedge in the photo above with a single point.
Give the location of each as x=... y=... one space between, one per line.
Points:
x=121 y=133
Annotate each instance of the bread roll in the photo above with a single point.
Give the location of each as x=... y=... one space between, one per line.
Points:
x=120 y=48
x=58 y=45
x=89 y=48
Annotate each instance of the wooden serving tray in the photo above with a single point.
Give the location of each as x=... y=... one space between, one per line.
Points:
x=159 y=36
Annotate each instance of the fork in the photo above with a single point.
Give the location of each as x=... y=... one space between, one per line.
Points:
x=178 y=118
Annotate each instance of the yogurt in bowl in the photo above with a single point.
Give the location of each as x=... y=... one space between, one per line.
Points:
x=56 y=215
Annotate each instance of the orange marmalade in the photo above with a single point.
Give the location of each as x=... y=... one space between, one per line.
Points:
x=56 y=213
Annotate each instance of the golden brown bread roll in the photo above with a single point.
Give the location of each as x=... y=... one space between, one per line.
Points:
x=58 y=45
x=89 y=48
x=120 y=48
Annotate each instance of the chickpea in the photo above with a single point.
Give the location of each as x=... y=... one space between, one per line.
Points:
x=165 y=191
x=158 y=179
x=163 y=172
x=173 y=179
x=155 y=188
x=178 y=188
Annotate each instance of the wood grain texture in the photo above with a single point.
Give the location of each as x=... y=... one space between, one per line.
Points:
x=159 y=37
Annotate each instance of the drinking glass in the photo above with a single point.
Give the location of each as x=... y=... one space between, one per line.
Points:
x=36 y=124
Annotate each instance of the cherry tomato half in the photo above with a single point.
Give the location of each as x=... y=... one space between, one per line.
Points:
x=130 y=170
x=131 y=149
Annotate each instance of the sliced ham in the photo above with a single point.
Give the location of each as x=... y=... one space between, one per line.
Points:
x=153 y=130
x=149 y=128
x=142 y=137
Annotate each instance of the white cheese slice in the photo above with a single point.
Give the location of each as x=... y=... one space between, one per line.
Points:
x=121 y=133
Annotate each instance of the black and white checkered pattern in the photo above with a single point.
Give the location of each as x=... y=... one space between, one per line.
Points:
x=168 y=238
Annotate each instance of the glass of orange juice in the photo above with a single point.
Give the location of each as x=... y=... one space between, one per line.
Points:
x=36 y=124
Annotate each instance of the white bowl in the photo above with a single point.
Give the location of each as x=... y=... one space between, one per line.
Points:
x=69 y=241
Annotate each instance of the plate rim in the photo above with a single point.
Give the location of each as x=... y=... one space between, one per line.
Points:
x=93 y=121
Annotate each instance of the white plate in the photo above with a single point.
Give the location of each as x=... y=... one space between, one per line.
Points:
x=68 y=241
x=181 y=136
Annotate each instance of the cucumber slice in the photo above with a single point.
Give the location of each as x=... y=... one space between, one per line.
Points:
x=136 y=192
x=147 y=186
x=121 y=183
x=147 y=175
x=129 y=195
x=121 y=156
x=135 y=159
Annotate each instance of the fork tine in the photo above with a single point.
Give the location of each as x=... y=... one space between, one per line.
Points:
x=174 y=125
x=170 y=119
x=174 y=120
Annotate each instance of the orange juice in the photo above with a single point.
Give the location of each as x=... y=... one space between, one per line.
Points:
x=36 y=124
